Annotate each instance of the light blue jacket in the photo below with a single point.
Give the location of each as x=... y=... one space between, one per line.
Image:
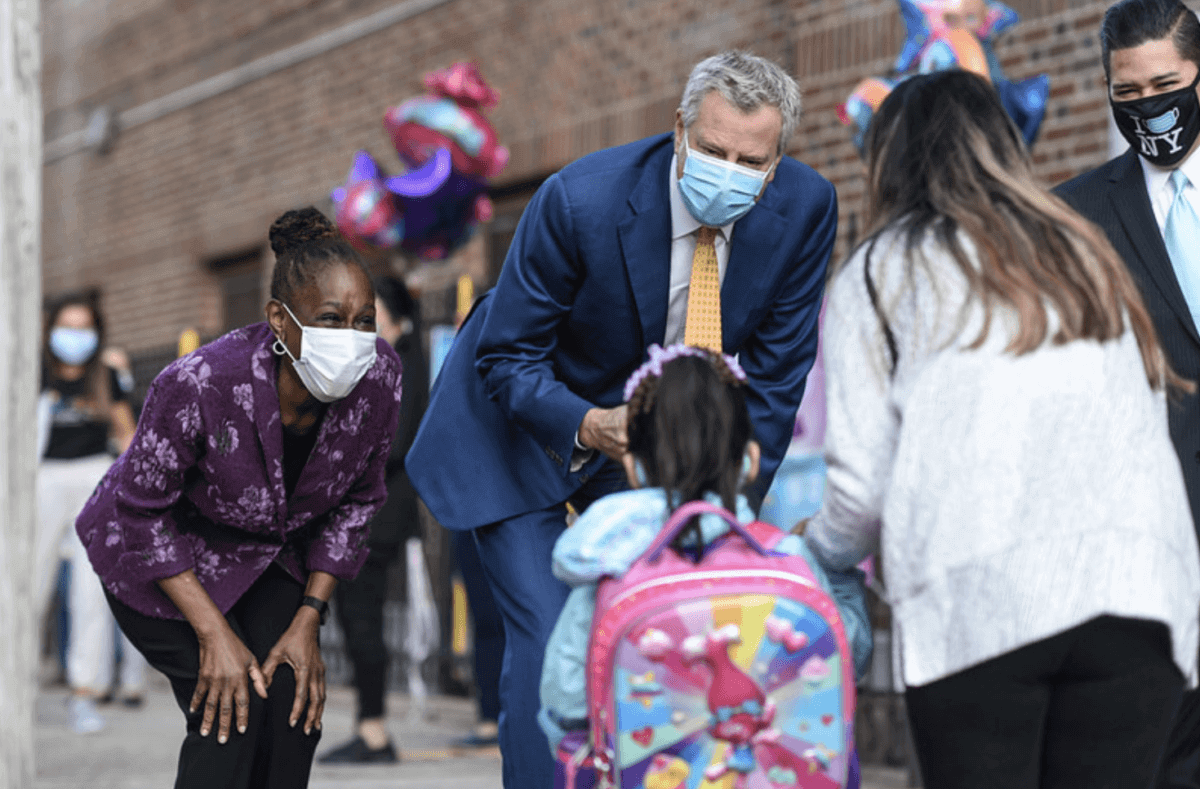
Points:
x=605 y=541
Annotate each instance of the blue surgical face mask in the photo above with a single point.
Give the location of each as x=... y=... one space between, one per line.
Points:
x=73 y=346
x=717 y=192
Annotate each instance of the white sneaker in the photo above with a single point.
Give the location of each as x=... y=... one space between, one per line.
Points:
x=84 y=717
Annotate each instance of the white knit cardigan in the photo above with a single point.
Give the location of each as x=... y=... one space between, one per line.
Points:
x=1013 y=497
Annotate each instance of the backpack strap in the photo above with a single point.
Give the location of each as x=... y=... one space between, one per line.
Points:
x=578 y=761
x=767 y=534
x=694 y=509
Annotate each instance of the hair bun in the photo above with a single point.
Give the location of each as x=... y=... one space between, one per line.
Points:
x=300 y=228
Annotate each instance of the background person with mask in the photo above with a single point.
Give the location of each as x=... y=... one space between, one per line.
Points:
x=246 y=493
x=360 y=601
x=84 y=416
x=1148 y=201
x=709 y=236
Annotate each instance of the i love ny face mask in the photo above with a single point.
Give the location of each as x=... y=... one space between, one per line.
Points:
x=1162 y=128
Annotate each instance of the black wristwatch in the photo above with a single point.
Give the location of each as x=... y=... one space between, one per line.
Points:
x=319 y=604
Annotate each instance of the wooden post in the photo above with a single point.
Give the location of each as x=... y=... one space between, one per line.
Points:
x=20 y=297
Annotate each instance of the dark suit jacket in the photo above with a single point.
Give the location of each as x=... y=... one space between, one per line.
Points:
x=1114 y=197
x=582 y=294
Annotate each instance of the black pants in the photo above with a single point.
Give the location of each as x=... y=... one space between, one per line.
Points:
x=270 y=754
x=1181 y=763
x=360 y=613
x=1089 y=708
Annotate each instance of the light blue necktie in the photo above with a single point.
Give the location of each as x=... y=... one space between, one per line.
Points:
x=1182 y=234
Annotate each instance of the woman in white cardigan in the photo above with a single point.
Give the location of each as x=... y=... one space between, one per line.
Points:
x=997 y=429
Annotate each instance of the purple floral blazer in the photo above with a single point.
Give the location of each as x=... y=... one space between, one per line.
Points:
x=201 y=487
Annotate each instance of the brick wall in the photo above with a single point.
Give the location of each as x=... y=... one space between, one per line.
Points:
x=205 y=182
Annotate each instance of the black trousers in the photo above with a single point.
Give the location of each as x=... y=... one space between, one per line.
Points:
x=1089 y=708
x=271 y=754
x=1181 y=763
x=360 y=613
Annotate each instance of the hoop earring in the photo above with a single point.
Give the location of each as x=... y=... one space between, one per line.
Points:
x=279 y=348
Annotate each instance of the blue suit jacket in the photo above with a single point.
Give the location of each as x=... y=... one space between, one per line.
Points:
x=582 y=294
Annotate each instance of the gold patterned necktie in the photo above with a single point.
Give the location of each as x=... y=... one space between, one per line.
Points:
x=702 y=327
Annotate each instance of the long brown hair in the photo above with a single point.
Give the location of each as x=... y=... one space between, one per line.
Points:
x=943 y=159
x=96 y=375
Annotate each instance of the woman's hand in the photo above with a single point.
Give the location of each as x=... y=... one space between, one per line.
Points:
x=222 y=687
x=298 y=648
x=225 y=662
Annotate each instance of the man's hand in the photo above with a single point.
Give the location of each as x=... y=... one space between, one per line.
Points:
x=603 y=429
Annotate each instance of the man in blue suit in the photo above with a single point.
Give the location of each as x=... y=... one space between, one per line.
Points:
x=526 y=414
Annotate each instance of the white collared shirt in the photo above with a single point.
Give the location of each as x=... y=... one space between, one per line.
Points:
x=683 y=248
x=1162 y=193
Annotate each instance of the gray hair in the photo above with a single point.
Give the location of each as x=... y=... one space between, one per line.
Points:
x=747 y=82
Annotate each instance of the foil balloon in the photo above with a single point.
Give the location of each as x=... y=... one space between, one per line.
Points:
x=364 y=209
x=946 y=34
x=450 y=117
x=448 y=150
x=862 y=104
x=442 y=209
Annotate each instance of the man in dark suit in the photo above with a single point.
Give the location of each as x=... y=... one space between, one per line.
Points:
x=527 y=412
x=1146 y=201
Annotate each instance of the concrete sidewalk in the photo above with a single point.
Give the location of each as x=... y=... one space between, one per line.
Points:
x=138 y=748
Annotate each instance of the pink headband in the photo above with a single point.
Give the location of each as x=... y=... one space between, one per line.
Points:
x=660 y=356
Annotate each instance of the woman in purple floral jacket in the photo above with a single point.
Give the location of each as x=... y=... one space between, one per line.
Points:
x=221 y=533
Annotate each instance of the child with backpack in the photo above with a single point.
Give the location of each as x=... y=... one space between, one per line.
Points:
x=719 y=670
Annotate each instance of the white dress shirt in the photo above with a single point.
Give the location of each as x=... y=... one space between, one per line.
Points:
x=1162 y=194
x=683 y=248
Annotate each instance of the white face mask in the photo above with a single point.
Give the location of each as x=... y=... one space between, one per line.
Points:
x=332 y=361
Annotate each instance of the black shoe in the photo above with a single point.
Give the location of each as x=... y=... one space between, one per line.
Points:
x=357 y=752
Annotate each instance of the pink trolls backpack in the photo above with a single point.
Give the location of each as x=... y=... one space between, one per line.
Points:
x=731 y=672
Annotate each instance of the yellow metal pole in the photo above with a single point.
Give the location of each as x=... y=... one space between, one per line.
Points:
x=189 y=340
x=466 y=295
